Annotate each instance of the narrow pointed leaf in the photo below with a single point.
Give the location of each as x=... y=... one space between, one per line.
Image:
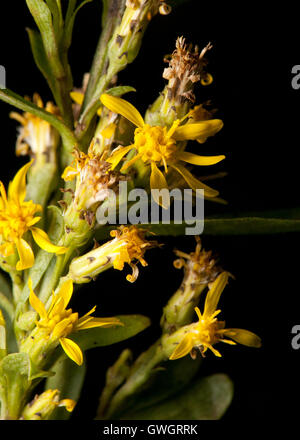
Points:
x=41 y=59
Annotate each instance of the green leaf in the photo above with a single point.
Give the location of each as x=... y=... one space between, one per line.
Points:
x=254 y=223
x=232 y=226
x=68 y=379
x=69 y=25
x=205 y=399
x=70 y=10
x=43 y=18
x=100 y=337
x=167 y=381
x=41 y=59
x=55 y=8
x=120 y=90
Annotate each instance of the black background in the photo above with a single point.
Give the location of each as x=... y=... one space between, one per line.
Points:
x=254 y=51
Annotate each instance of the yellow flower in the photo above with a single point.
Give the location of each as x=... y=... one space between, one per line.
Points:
x=157 y=146
x=208 y=330
x=17 y=216
x=43 y=405
x=128 y=246
x=36 y=136
x=58 y=322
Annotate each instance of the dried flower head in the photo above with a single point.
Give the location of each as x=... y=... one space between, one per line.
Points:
x=200 y=264
x=186 y=67
x=94 y=179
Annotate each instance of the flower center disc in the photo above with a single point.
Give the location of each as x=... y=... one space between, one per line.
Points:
x=154 y=144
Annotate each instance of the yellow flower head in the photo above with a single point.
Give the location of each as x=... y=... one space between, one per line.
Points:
x=130 y=247
x=43 y=405
x=208 y=330
x=157 y=146
x=17 y=216
x=36 y=136
x=58 y=322
x=93 y=178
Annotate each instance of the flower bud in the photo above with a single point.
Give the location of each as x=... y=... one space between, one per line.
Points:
x=43 y=405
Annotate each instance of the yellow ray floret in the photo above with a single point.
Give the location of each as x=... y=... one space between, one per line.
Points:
x=157 y=146
x=17 y=216
x=205 y=333
x=59 y=322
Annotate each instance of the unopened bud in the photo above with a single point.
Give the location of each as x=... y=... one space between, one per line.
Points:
x=43 y=405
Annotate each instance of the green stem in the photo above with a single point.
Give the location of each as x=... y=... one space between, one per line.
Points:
x=52 y=276
x=17 y=285
x=110 y=17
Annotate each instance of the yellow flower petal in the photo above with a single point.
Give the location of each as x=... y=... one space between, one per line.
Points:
x=17 y=188
x=77 y=97
x=25 y=254
x=69 y=173
x=66 y=291
x=193 y=182
x=215 y=352
x=214 y=293
x=62 y=327
x=183 y=348
x=199 y=130
x=69 y=404
x=108 y=131
x=197 y=310
x=158 y=181
x=35 y=302
x=195 y=159
x=122 y=107
x=2 y=320
x=98 y=322
x=33 y=221
x=57 y=306
x=3 y=193
x=117 y=155
x=43 y=241
x=72 y=350
x=7 y=249
x=244 y=337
